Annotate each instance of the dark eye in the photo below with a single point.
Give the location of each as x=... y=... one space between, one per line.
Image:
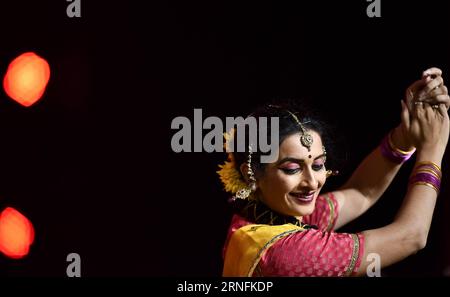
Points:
x=290 y=171
x=318 y=167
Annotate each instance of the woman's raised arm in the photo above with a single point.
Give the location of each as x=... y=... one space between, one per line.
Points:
x=376 y=172
x=408 y=233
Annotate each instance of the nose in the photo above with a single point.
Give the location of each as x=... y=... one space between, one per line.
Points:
x=308 y=179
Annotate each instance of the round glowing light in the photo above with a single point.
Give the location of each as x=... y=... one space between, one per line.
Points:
x=16 y=233
x=26 y=78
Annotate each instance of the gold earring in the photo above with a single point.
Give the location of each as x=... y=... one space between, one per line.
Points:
x=243 y=193
x=332 y=173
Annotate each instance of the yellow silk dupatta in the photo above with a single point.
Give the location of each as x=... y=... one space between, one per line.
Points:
x=248 y=244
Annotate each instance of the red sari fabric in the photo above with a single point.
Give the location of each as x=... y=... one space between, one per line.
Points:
x=312 y=252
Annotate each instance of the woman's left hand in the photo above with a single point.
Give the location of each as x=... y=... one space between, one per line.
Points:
x=430 y=89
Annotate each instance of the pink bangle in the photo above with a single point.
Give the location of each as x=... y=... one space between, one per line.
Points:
x=427 y=178
x=392 y=153
x=428 y=174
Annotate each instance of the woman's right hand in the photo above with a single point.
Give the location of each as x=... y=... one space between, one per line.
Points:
x=428 y=126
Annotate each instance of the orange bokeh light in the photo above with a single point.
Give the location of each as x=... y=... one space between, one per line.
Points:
x=26 y=78
x=16 y=233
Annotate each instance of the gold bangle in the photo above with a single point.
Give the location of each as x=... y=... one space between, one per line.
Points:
x=427 y=170
x=394 y=148
x=421 y=183
x=429 y=163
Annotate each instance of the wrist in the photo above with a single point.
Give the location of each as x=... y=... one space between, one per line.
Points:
x=400 y=141
x=393 y=153
x=431 y=154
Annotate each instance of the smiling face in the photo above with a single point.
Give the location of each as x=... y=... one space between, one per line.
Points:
x=291 y=185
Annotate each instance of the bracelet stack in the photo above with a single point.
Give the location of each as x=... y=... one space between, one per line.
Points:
x=396 y=155
x=428 y=174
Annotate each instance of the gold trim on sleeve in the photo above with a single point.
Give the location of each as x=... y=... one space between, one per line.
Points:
x=331 y=206
x=355 y=254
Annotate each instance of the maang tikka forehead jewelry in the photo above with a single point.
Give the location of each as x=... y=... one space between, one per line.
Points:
x=306 y=139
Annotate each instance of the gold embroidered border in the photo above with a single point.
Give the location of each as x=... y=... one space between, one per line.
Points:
x=268 y=245
x=355 y=254
x=331 y=205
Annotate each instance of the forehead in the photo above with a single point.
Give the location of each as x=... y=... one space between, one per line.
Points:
x=292 y=147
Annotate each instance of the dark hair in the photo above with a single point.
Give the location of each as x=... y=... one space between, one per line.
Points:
x=287 y=126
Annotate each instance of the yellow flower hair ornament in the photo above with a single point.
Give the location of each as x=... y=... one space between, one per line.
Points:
x=230 y=176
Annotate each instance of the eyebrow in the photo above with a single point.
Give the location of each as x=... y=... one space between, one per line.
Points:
x=295 y=160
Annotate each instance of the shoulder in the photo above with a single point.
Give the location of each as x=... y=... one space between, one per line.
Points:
x=325 y=212
x=248 y=244
x=314 y=253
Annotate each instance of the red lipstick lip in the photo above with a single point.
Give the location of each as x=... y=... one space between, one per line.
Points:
x=303 y=198
x=302 y=194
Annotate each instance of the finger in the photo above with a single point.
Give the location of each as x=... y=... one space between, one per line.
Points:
x=417 y=85
x=404 y=115
x=433 y=71
x=442 y=90
x=412 y=92
x=442 y=110
x=409 y=99
x=418 y=110
x=428 y=111
x=433 y=84
x=421 y=113
x=429 y=97
x=436 y=92
x=445 y=100
x=444 y=113
x=439 y=99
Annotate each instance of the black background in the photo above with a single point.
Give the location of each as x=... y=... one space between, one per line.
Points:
x=91 y=164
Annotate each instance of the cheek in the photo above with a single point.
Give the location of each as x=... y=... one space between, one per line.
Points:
x=321 y=179
x=277 y=184
x=285 y=183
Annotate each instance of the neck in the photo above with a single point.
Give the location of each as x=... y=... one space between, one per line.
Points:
x=259 y=213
